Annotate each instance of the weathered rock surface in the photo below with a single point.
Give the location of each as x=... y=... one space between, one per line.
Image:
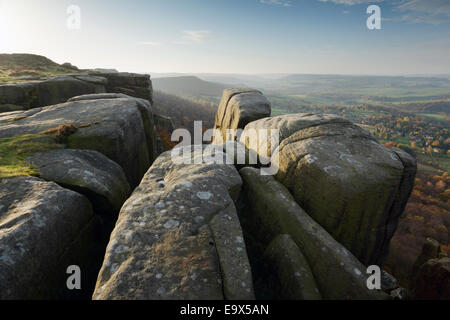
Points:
x=98 y=96
x=237 y=108
x=350 y=184
x=164 y=129
x=49 y=92
x=178 y=236
x=59 y=89
x=433 y=280
x=388 y=282
x=89 y=172
x=132 y=84
x=294 y=278
x=121 y=129
x=338 y=273
x=41 y=224
x=240 y=155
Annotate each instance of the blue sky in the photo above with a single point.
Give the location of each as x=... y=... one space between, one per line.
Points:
x=234 y=36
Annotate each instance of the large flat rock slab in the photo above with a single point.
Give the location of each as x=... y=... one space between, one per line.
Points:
x=121 y=129
x=178 y=236
x=40 y=224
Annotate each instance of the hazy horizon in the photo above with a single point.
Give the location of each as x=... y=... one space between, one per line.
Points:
x=249 y=37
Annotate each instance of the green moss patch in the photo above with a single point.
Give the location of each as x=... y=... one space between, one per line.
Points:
x=14 y=151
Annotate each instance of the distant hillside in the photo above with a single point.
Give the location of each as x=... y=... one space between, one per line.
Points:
x=189 y=86
x=183 y=111
x=17 y=67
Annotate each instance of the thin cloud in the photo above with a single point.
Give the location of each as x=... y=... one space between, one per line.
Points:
x=282 y=3
x=194 y=37
x=425 y=11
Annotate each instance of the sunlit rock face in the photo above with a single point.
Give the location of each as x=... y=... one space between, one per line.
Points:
x=237 y=108
x=121 y=128
x=178 y=236
x=342 y=177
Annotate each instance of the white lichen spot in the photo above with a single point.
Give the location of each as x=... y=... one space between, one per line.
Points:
x=298 y=274
x=244 y=284
x=199 y=219
x=204 y=195
x=194 y=276
x=310 y=159
x=186 y=184
x=119 y=249
x=100 y=290
x=330 y=168
x=205 y=280
x=161 y=291
x=160 y=205
x=114 y=268
x=357 y=272
x=159 y=276
x=171 y=224
x=239 y=239
x=239 y=249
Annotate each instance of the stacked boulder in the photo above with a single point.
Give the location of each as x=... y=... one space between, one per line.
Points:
x=343 y=178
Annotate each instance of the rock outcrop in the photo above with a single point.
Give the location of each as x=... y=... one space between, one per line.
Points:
x=342 y=177
x=56 y=90
x=178 y=236
x=237 y=108
x=272 y=211
x=121 y=129
x=131 y=84
x=41 y=226
x=48 y=92
x=433 y=280
x=194 y=227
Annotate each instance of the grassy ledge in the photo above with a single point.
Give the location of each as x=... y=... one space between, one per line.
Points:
x=14 y=151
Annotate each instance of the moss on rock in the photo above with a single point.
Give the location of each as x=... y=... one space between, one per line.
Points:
x=13 y=152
